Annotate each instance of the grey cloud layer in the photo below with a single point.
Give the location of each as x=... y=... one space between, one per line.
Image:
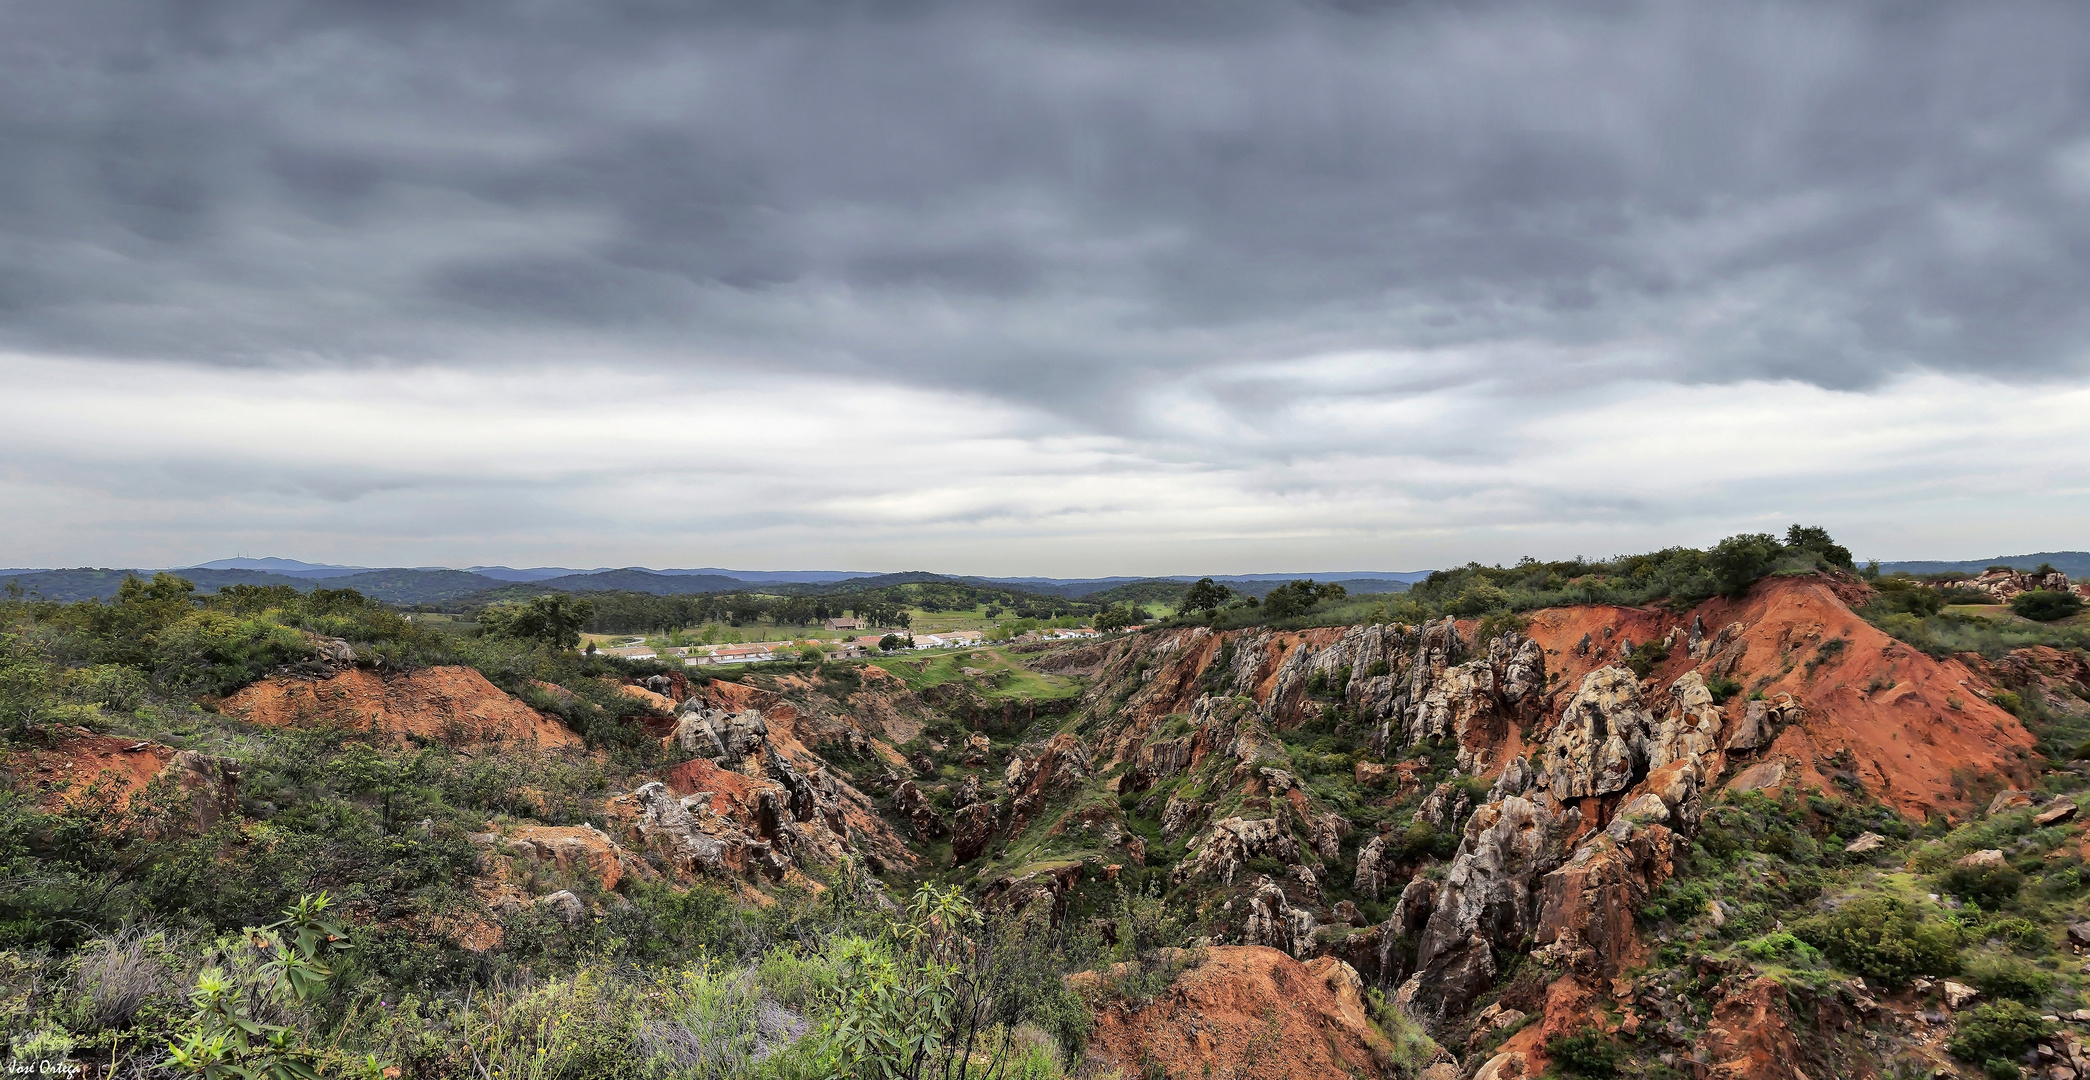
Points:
x=1063 y=205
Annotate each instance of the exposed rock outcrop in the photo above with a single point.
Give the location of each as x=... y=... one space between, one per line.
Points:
x=451 y=704
x=1222 y=850
x=1588 y=905
x=1247 y=1012
x=1487 y=901
x=1272 y=920
x=1601 y=737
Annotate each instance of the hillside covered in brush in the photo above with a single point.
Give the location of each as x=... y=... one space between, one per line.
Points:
x=1745 y=812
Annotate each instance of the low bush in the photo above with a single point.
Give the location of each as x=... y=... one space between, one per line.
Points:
x=1884 y=938
x=1998 y=1032
x=1588 y=1054
x=1988 y=887
x=2045 y=605
x=2009 y=977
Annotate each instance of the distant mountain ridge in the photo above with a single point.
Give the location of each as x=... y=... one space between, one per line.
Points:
x=441 y=585
x=2072 y=563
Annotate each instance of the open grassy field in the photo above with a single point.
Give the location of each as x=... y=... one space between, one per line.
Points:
x=1982 y=611
x=998 y=676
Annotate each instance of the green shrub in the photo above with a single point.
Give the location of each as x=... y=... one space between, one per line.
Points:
x=2043 y=605
x=1998 y=1032
x=1884 y=938
x=1781 y=947
x=1587 y=1053
x=2009 y=977
x=276 y=968
x=1644 y=657
x=1989 y=887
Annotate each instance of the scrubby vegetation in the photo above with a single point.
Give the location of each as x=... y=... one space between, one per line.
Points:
x=132 y=937
x=1674 y=575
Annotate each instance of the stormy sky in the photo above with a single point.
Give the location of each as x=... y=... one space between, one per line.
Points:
x=1073 y=288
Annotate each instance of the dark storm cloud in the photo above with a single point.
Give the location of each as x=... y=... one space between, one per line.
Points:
x=1057 y=204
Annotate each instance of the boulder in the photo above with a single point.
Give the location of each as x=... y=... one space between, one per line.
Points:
x=2007 y=800
x=1506 y=1066
x=1986 y=859
x=1753 y=730
x=1274 y=922
x=1958 y=994
x=1180 y=816
x=2079 y=934
x=923 y=819
x=1586 y=915
x=972 y=828
x=1444 y=807
x=1691 y=727
x=1515 y=779
x=1371 y=774
x=564 y=906
x=1761 y=776
x=1374 y=868
x=2062 y=810
x=1325 y=834
x=727 y=738
x=1865 y=844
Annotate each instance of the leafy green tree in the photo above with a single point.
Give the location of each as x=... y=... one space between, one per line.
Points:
x=555 y=619
x=1299 y=597
x=1119 y=616
x=1206 y=596
x=892 y=643
x=1740 y=561
x=1816 y=539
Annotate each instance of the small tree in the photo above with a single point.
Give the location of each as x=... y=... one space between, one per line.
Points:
x=1299 y=597
x=555 y=619
x=1816 y=539
x=1119 y=616
x=1206 y=596
x=1740 y=561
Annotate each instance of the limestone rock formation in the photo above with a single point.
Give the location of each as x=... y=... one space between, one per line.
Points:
x=1224 y=848
x=727 y=738
x=1691 y=726
x=1592 y=750
x=1180 y=816
x=1325 y=834
x=1488 y=900
x=1273 y=921
x=922 y=818
x=1374 y=868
